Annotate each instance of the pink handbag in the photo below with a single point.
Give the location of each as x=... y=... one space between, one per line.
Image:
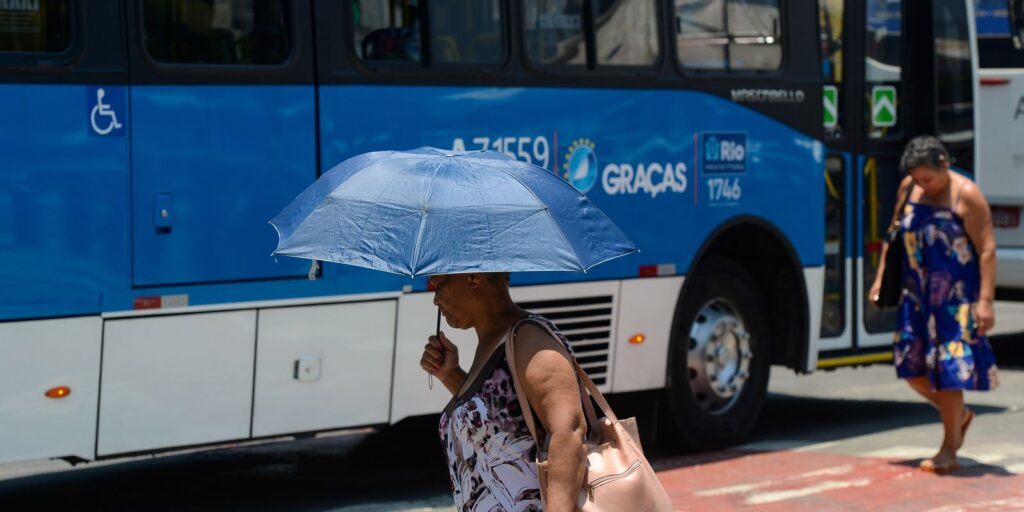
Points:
x=618 y=476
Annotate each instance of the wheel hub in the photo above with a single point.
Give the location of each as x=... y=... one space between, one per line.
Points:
x=719 y=356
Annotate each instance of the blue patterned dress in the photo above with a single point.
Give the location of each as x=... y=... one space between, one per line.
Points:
x=941 y=281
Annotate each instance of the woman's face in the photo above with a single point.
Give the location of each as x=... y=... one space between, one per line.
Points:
x=455 y=295
x=933 y=181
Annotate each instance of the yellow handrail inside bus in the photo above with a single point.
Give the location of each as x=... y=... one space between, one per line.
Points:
x=831 y=187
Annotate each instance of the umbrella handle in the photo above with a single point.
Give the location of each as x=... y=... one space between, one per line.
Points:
x=437 y=333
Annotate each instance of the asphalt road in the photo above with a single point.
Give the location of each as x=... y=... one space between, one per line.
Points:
x=820 y=436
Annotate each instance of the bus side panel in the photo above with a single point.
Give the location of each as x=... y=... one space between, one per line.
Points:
x=586 y=313
x=410 y=393
x=1001 y=163
x=814 y=281
x=323 y=367
x=63 y=200
x=647 y=307
x=176 y=380
x=221 y=161
x=37 y=356
x=694 y=162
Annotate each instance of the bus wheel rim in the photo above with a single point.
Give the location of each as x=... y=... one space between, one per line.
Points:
x=719 y=356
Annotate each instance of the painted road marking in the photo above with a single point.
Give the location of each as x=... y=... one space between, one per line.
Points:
x=746 y=488
x=828 y=485
x=1004 y=504
x=794 y=481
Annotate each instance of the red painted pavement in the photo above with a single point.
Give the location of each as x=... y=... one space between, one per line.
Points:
x=809 y=481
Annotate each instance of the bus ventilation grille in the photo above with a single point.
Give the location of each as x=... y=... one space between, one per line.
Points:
x=587 y=323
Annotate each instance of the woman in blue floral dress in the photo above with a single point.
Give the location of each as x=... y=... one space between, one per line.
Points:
x=948 y=279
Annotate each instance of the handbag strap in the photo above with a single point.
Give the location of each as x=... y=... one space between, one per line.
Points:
x=587 y=389
x=903 y=205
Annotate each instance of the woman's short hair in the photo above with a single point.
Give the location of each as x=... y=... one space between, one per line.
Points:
x=923 y=150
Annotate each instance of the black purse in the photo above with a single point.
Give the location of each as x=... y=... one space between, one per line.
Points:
x=892 y=283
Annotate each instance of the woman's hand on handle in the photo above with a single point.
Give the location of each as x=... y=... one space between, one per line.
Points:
x=441 y=359
x=876 y=290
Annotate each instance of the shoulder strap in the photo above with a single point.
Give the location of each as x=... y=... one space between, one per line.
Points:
x=582 y=379
x=901 y=207
x=906 y=198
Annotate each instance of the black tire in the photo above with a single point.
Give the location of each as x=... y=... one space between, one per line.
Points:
x=717 y=294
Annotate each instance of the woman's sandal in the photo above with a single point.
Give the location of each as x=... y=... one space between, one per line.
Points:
x=965 y=423
x=928 y=466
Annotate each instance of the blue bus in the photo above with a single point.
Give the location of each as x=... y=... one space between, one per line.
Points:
x=147 y=143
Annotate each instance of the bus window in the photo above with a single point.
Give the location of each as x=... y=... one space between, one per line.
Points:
x=830 y=20
x=42 y=26
x=387 y=30
x=554 y=32
x=729 y=34
x=883 y=64
x=992 y=18
x=626 y=32
x=1017 y=22
x=954 y=83
x=466 y=32
x=246 y=32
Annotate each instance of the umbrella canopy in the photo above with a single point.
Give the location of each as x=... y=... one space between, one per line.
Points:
x=430 y=211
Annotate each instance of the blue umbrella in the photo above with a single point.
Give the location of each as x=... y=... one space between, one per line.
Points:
x=430 y=211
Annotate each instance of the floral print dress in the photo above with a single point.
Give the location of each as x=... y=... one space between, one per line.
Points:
x=941 y=282
x=490 y=453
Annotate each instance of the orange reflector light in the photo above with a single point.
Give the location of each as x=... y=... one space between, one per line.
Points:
x=58 y=392
x=147 y=303
x=637 y=339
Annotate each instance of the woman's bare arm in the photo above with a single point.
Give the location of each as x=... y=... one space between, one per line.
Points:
x=978 y=223
x=549 y=381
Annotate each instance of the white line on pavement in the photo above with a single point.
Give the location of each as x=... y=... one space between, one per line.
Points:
x=828 y=485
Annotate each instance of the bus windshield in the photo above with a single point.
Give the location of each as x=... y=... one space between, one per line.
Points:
x=997 y=47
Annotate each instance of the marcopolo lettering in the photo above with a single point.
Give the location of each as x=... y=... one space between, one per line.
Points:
x=724 y=153
x=768 y=95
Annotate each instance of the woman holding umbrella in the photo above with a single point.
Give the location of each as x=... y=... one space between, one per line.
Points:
x=489 y=449
x=467 y=220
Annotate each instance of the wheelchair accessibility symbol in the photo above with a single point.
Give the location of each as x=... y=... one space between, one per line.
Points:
x=103 y=114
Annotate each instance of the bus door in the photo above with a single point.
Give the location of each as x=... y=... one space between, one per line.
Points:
x=862 y=59
x=833 y=17
x=889 y=98
x=884 y=110
x=63 y=158
x=931 y=83
x=223 y=136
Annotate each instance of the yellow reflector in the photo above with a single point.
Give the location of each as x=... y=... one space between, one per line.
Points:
x=58 y=392
x=637 y=339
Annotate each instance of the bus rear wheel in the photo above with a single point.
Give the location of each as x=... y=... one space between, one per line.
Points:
x=719 y=364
